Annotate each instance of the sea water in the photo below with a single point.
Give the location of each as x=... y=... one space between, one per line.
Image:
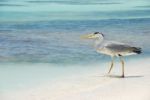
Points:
x=48 y=32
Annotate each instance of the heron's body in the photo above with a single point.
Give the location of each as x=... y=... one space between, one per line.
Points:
x=112 y=48
x=116 y=49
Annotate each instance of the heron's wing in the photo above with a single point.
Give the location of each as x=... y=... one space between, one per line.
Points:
x=118 y=47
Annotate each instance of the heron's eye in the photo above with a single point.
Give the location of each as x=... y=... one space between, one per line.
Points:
x=96 y=33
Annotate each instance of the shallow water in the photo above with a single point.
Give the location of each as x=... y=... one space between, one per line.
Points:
x=59 y=42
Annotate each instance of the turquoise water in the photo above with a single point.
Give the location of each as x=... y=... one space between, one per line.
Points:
x=41 y=10
x=38 y=31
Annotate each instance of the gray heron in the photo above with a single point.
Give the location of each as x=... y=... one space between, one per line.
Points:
x=113 y=49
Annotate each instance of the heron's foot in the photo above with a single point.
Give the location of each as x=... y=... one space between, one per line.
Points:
x=106 y=75
x=122 y=76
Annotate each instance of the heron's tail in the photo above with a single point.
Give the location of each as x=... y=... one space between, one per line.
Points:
x=137 y=50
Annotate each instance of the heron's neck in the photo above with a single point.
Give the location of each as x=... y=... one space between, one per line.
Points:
x=98 y=42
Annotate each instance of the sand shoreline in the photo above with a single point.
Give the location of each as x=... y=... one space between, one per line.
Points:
x=94 y=86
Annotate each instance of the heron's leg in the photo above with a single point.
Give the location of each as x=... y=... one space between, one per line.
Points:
x=112 y=64
x=122 y=62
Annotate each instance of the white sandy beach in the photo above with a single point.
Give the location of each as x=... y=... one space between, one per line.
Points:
x=92 y=85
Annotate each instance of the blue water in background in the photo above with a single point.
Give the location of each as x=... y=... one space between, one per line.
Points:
x=49 y=31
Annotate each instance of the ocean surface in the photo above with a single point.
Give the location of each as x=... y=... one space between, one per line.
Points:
x=48 y=31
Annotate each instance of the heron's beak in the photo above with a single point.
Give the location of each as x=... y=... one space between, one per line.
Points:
x=88 y=36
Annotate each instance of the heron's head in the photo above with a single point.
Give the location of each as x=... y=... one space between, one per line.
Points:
x=95 y=35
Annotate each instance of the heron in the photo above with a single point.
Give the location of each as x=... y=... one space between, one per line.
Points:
x=112 y=48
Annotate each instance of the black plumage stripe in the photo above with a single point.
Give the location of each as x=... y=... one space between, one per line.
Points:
x=137 y=50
